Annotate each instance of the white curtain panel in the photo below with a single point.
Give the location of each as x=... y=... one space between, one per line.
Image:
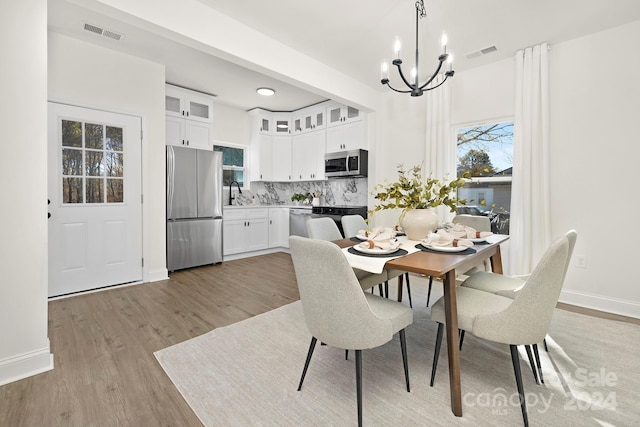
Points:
x=440 y=150
x=530 y=227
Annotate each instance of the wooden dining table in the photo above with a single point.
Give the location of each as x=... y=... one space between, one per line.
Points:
x=444 y=266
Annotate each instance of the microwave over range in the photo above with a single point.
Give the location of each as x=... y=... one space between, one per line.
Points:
x=344 y=164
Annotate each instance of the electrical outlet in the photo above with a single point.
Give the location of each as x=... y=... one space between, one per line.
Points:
x=581 y=261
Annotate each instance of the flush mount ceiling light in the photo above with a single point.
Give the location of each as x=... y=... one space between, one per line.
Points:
x=415 y=89
x=265 y=91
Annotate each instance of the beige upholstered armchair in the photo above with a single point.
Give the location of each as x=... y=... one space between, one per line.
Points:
x=338 y=313
x=523 y=320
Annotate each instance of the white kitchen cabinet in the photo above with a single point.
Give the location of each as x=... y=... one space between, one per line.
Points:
x=188 y=133
x=314 y=118
x=281 y=149
x=278 y=227
x=261 y=158
x=349 y=136
x=281 y=123
x=261 y=121
x=339 y=114
x=308 y=156
x=245 y=230
x=188 y=104
x=189 y=118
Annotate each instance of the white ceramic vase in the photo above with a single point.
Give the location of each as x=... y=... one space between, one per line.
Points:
x=418 y=223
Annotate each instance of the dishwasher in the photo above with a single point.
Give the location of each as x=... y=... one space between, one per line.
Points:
x=298 y=218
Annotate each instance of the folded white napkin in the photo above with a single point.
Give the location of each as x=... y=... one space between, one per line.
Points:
x=378 y=238
x=443 y=238
x=462 y=231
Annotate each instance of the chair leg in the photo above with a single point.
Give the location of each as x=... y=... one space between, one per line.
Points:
x=312 y=346
x=532 y=363
x=403 y=347
x=537 y=356
x=516 y=368
x=380 y=289
x=346 y=355
x=544 y=341
x=436 y=352
x=359 y=385
x=386 y=289
x=406 y=277
x=429 y=292
x=460 y=337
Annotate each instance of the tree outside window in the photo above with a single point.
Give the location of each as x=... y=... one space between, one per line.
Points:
x=486 y=152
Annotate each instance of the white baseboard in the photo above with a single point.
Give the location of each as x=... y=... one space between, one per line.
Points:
x=602 y=303
x=156 y=275
x=254 y=253
x=25 y=365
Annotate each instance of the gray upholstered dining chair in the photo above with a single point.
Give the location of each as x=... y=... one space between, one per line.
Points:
x=338 y=313
x=351 y=224
x=523 y=320
x=509 y=286
x=479 y=223
x=326 y=229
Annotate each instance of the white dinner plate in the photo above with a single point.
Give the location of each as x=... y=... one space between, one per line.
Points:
x=478 y=239
x=375 y=251
x=362 y=237
x=446 y=248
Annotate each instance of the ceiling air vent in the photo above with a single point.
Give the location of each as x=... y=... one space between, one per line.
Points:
x=103 y=32
x=480 y=52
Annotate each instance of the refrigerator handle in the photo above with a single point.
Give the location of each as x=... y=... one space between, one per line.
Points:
x=170 y=177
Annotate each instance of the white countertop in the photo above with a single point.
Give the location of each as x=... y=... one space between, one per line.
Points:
x=265 y=206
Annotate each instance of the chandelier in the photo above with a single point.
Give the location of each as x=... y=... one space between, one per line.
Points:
x=415 y=88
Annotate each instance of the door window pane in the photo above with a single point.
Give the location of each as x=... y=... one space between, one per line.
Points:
x=93 y=162
x=114 y=138
x=93 y=137
x=71 y=133
x=115 y=191
x=95 y=190
x=114 y=164
x=72 y=190
x=71 y=161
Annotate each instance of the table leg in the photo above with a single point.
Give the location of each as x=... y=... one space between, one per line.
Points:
x=496 y=261
x=451 y=317
x=400 y=286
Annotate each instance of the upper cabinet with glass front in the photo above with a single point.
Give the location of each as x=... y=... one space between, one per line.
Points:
x=281 y=123
x=188 y=104
x=339 y=114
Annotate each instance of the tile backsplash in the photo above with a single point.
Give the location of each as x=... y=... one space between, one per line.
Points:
x=342 y=191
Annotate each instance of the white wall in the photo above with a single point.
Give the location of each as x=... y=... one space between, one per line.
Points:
x=24 y=346
x=88 y=75
x=595 y=105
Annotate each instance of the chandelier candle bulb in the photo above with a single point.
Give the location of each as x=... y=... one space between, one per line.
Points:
x=396 y=47
x=450 y=61
x=444 y=43
x=384 y=70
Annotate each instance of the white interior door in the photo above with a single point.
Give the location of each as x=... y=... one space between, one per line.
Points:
x=95 y=204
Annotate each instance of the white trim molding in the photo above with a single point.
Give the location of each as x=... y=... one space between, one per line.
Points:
x=25 y=365
x=602 y=303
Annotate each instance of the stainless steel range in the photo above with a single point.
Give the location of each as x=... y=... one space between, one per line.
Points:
x=337 y=212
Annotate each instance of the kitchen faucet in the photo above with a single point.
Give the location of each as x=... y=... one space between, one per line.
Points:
x=239 y=190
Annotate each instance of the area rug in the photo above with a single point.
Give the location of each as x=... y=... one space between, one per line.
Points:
x=247 y=374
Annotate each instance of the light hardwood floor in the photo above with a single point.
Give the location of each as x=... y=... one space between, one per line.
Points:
x=105 y=372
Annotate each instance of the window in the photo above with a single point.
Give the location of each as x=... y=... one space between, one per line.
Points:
x=92 y=163
x=232 y=163
x=486 y=152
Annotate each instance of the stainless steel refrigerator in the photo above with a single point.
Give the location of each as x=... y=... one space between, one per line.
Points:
x=194 y=207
